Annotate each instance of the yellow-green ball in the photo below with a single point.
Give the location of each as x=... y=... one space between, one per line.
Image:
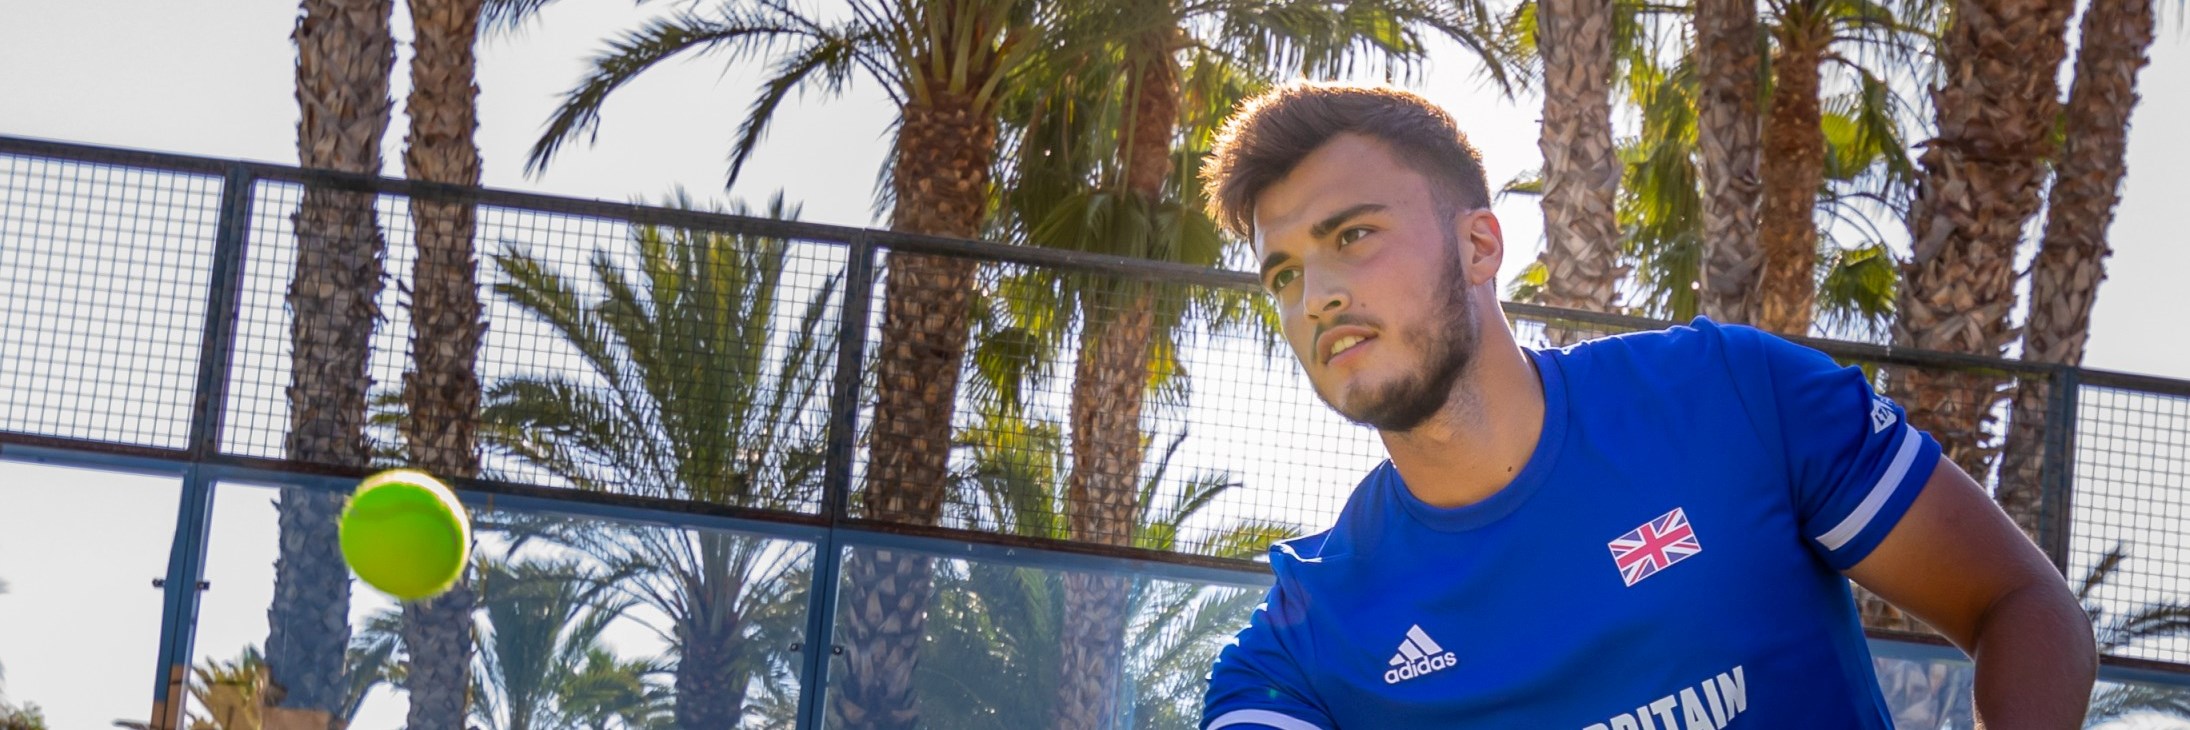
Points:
x=404 y=533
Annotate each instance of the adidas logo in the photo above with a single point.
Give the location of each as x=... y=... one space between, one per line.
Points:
x=1881 y=413
x=1418 y=655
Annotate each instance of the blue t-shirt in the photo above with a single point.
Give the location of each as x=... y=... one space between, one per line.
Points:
x=1669 y=559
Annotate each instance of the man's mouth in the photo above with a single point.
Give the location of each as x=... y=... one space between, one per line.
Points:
x=1344 y=345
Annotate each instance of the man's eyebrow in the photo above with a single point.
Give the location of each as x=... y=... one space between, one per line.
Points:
x=1320 y=229
x=1272 y=261
x=1329 y=224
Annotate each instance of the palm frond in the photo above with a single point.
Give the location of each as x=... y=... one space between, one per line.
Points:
x=829 y=58
x=1858 y=289
x=504 y=18
x=742 y=31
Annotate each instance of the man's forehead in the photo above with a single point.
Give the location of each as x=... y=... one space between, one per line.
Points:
x=1348 y=171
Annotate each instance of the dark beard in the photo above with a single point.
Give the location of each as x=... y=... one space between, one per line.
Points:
x=1448 y=341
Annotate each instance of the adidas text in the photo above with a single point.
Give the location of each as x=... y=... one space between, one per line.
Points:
x=1418 y=655
x=1419 y=667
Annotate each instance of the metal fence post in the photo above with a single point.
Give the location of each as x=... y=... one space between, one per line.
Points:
x=193 y=516
x=2058 y=479
x=851 y=358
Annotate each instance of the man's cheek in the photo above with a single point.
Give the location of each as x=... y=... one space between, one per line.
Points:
x=1301 y=351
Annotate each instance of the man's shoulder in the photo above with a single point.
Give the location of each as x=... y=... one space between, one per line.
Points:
x=1683 y=361
x=1676 y=344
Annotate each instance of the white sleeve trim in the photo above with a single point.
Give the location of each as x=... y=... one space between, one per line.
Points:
x=1887 y=484
x=1261 y=717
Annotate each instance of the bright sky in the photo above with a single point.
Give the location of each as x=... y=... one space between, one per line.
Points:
x=178 y=77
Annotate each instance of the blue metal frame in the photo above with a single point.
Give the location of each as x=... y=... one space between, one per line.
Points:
x=179 y=610
x=821 y=596
x=194 y=514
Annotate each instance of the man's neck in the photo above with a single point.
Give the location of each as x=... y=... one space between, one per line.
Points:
x=1479 y=441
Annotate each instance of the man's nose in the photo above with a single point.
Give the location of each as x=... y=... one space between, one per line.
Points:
x=1326 y=297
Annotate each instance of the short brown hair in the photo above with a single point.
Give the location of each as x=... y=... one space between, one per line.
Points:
x=1269 y=135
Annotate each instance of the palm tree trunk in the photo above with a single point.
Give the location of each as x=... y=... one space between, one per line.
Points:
x=441 y=393
x=945 y=148
x=710 y=688
x=1581 y=170
x=1101 y=503
x=710 y=680
x=1795 y=142
x=1109 y=387
x=2064 y=281
x=344 y=54
x=1727 y=131
x=1979 y=184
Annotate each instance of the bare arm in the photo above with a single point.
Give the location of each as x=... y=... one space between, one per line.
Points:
x=1958 y=563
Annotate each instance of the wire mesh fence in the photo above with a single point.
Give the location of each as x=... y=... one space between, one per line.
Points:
x=692 y=357
x=107 y=269
x=2129 y=544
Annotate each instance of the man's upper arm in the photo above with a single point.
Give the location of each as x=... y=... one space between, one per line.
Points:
x=1952 y=556
x=1853 y=463
x=1878 y=502
x=1256 y=683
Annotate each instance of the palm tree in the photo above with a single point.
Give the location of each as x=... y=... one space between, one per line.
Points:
x=441 y=391
x=229 y=691
x=1980 y=182
x=344 y=54
x=945 y=64
x=2064 y=279
x=698 y=386
x=25 y=717
x=371 y=661
x=2160 y=621
x=608 y=692
x=1662 y=199
x=1014 y=620
x=1728 y=137
x=544 y=623
x=1810 y=37
x=1581 y=174
x=234 y=693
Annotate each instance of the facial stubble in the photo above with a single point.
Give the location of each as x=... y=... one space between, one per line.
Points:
x=1447 y=339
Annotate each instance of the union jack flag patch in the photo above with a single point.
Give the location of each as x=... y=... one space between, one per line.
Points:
x=1653 y=547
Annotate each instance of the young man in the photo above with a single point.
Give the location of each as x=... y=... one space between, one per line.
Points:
x=1646 y=532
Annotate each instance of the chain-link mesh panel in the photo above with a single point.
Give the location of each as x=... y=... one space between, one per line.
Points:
x=673 y=361
x=1102 y=409
x=357 y=351
x=2130 y=548
x=1536 y=331
x=103 y=284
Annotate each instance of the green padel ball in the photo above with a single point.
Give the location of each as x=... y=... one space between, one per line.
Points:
x=404 y=533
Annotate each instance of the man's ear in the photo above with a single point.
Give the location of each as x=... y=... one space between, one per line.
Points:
x=1483 y=245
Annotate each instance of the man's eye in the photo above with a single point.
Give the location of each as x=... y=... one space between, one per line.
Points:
x=1351 y=235
x=1284 y=278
